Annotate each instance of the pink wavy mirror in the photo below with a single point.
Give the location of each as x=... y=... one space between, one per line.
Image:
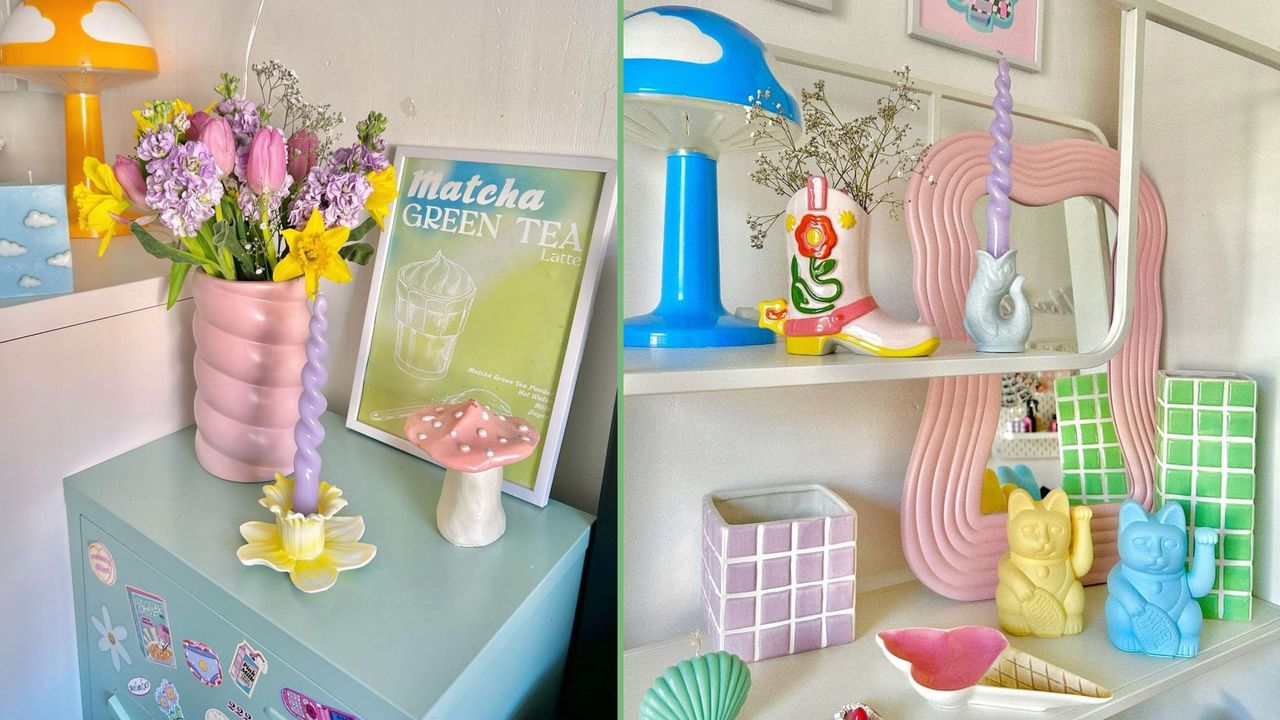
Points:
x=951 y=546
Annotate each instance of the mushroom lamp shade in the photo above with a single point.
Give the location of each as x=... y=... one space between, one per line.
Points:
x=78 y=47
x=687 y=76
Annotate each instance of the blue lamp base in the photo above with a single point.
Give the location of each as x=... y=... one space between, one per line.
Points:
x=675 y=331
x=690 y=313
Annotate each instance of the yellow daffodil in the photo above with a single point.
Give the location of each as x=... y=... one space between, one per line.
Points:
x=313 y=251
x=99 y=200
x=311 y=548
x=384 y=191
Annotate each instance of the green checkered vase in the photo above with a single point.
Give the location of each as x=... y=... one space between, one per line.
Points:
x=1205 y=453
x=1092 y=463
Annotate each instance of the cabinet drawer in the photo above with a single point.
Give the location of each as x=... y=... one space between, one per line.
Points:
x=171 y=635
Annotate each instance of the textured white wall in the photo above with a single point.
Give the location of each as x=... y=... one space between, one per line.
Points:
x=856 y=439
x=494 y=74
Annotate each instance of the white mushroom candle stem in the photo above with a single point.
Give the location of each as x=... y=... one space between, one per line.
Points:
x=472 y=443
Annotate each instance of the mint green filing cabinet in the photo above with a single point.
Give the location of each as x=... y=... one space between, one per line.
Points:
x=425 y=631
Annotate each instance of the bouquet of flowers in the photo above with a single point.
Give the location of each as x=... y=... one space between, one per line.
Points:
x=241 y=200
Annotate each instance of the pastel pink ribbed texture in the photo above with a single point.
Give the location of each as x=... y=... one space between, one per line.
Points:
x=250 y=349
x=951 y=546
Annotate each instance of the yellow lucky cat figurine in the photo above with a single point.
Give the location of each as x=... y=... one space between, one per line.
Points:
x=1050 y=548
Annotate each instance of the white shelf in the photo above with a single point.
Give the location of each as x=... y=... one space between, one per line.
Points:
x=816 y=684
x=123 y=280
x=680 y=370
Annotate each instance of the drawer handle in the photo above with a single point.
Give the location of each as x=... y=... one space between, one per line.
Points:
x=117 y=709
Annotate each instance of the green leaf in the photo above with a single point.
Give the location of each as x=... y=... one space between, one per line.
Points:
x=177 y=276
x=358 y=232
x=359 y=253
x=823 y=267
x=161 y=250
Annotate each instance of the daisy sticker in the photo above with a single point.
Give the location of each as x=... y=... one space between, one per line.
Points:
x=112 y=640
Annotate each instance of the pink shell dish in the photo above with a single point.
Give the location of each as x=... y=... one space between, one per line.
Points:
x=974 y=665
x=951 y=546
x=250 y=349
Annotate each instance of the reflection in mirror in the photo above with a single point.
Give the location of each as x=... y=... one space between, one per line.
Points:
x=1064 y=250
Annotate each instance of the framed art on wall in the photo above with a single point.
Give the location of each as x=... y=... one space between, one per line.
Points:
x=483 y=287
x=982 y=27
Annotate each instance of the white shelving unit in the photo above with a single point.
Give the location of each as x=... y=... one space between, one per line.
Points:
x=659 y=372
x=816 y=684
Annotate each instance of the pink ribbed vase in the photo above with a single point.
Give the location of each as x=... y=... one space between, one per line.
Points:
x=250 y=348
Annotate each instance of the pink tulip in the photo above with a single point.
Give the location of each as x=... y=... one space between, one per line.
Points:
x=198 y=121
x=129 y=175
x=265 y=168
x=304 y=151
x=217 y=136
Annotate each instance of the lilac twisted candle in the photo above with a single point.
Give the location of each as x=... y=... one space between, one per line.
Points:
x=1000 y=179
x=309 y=433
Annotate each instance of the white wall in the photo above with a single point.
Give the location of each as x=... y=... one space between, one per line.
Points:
x=861 y=440
x=494 y=74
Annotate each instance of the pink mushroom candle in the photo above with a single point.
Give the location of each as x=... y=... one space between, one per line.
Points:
x=309 y=433
x=472 y=443
x=1000 y=179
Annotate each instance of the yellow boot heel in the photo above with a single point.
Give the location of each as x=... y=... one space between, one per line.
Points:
x=810 y=345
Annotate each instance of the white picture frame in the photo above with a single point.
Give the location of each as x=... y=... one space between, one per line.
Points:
x=593 y=261
x=919 y=28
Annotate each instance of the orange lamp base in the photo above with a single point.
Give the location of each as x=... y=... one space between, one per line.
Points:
x=84 y=139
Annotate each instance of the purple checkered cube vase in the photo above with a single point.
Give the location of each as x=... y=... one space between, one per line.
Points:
x=778 y=570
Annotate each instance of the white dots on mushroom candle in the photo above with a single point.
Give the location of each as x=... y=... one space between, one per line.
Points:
x=482 y=432
x=488 y=453
x=464 y=448
x=457 y=415
x=524 y=428
x=453 y=433
x=422 y=436
x=484 y=416
x=428 y=418
x=503 y=440
x=437 y=424
x=525 y=438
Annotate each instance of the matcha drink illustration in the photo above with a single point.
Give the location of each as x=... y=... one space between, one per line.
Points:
x=433 y=298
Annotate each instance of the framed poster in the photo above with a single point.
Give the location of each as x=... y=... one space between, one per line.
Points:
x=981 y=27
x=483 y=287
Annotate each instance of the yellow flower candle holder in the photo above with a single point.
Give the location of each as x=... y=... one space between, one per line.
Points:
x=313 y=548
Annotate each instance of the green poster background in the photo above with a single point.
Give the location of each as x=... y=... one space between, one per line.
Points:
x=511 y=345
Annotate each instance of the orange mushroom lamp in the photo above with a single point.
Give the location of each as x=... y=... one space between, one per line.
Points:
x=79 y=47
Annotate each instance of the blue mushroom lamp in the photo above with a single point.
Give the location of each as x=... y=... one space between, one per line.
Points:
x=688 y=74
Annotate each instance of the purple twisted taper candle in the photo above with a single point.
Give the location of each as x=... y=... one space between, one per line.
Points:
x=309 y=433
x=1000 y=179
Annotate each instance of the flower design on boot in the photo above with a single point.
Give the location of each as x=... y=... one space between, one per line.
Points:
x=816 y=237
x=313 y=548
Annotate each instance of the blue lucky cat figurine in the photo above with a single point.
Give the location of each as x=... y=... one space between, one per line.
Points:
x=1151 y=598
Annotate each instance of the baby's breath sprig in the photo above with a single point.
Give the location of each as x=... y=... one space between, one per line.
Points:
x=860 y=156
x=280 y=91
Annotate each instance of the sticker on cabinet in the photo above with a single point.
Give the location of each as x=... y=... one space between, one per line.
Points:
x=139 y=686
x=238 y=711
x=246 y=667
x=151 y=619
x=215 y=714
x=102 y=564
x=203 y=662
x=167 y=699
x=304 y=708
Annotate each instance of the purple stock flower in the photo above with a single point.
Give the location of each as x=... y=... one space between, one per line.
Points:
x=243 y=116
x=183 y=187
x=358 y=158
x=339 y=194
x=155 y=144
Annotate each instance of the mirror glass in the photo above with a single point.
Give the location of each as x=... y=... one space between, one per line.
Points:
x=1064 y=250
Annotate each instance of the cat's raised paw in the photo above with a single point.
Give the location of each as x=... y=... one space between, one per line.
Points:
x=1206 y=536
